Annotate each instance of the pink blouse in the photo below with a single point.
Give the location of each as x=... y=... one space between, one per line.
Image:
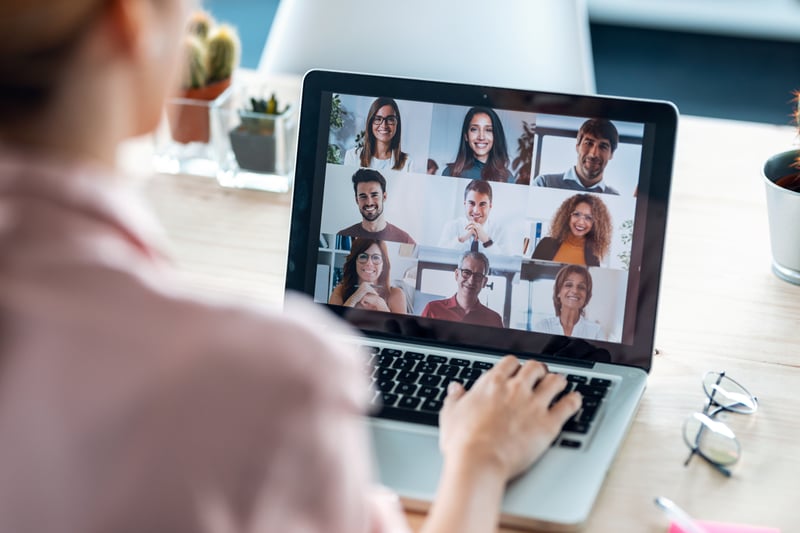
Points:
x=129 y=404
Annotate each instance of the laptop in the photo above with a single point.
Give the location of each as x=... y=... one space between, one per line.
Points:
x=389 y=242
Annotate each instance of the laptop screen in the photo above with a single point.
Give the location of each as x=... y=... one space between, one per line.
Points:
x=502 y=220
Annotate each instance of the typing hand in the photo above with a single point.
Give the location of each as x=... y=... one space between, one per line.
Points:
x=505 y=422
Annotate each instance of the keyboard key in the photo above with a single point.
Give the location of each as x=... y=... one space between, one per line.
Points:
x=388 y=398
x=428 y=392
x=391 y=352
x=569 y=443
x=448 y=371
x=437 y=359
x=407 y=377
x=385 y=373
x=384 y=360
x=432 y=405
x=600 y=382
x=405 y=388
x=468 y=373
x=385 y=385
x=577 y=379
x=426 y=367
x=409 y=402
x=587 y=414
x=430 y=380
x=458 y=362
x=416 y=356
x=576 y=427
x=401 y=363
x=483 y=365
x=587 y=391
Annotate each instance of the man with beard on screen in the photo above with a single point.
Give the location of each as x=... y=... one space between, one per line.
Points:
x=597 y=141
x=370 y=188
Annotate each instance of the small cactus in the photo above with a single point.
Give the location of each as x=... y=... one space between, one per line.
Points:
x=223 y=52
x=195 y=71
x=200 y=24
x=211 y=51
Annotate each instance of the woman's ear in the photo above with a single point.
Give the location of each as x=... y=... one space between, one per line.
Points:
x=128 y=22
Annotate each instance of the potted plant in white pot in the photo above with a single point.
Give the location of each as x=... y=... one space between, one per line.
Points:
x=782 y=180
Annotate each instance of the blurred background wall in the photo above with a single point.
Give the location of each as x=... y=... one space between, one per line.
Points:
x=736 y=59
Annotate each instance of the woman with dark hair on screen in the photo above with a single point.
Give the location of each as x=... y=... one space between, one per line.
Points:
x=482 y=150
x=131 y=401
x=580 y=232
x=383 y=131
x=572 y=291
x=365 y=279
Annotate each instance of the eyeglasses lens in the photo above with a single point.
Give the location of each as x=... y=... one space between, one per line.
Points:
x=375 y=258
x=712 y=439
x=728 y=394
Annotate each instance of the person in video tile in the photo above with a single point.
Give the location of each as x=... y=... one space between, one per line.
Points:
x=580 y=232
x=482 y=149
x=474 y=231
x=365 y=280
x=572 y=291
x=381 y=148
x=597 y=142
x=370 y=188
x=471 y=276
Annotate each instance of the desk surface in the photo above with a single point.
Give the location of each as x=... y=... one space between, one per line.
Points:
x=720 y=309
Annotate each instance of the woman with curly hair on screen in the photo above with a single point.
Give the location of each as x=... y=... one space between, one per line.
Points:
x=580 y=232
x=482 y=150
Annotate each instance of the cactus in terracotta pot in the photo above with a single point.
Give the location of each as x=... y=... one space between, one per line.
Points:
x=211 y=54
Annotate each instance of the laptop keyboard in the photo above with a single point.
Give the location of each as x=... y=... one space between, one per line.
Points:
x=411 y=387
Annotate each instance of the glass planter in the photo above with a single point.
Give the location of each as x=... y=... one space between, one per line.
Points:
x=255 y=150
x=186 y=140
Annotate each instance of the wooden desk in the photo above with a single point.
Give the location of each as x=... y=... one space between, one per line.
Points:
x=721 y=309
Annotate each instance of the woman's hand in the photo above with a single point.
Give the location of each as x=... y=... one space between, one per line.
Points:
x=367 y=297
x=373 y=302
x=505 y=422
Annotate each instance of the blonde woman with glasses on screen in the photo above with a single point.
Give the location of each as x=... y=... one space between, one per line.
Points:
x=130 y=403
x=365 y=280
x=382 y=133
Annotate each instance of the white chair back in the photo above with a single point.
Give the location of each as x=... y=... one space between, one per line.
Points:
x=526 y=44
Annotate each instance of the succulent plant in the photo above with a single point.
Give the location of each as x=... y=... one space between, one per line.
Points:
x=253 y=120
x=211 y=51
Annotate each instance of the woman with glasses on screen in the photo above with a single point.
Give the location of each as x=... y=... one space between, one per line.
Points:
x=482 y=150
x=580 y=232
x=382 y=133
x=572 y=292
x=365 y=279
x=130 y=401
